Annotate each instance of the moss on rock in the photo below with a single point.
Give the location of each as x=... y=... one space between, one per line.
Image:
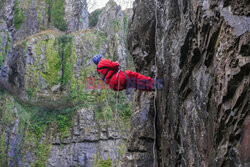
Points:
x=3 y=150
x=94 y=16
x=67 y=57
x=56 y=14
x=51 y=74
x=101 y=162
x=18 y=15
x=5 y=46
x=33 y=124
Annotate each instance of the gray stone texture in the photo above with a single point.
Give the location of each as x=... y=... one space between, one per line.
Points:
x=87 y=139
x=111 y=22
x=201 y=51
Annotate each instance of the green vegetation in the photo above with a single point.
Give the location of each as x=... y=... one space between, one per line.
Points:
x=7 y=116
x=94 y=16
x=58 y=66
x=122 y=149
x=42 y=151
x=103 y=112
x=51 y=75
x=54 y=64
x=7 y=46
x=1 y=59
x=40 y=13
x=125 y=25
x=101 y=162
x=101 y=39
x=56 y=14
x=103 y=101
x=58 y=69
x=41 y=119
x=106 y=105
x=33 y=123
x=32 y=72
x=4 y=49
x=65 y=52
x=18 y=15
x=117 y=25
x=3 y=150
x=39 y=122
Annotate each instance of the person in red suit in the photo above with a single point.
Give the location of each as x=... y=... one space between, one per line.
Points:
x=118 y=80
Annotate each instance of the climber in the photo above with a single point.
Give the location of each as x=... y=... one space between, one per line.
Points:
x=118 y=80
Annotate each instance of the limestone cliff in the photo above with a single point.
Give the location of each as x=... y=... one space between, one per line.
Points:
x=28 y=17
x=201 y=51
x=112 y=21
x=53 y=110
x=51 y=116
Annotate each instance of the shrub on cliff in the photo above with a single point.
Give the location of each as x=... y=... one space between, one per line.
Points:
x=18 y=16
x=93 y=17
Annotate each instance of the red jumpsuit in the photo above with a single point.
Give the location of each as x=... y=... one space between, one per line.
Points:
x=119 y=80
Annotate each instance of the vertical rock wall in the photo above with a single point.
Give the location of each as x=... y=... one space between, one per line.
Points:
x=53 y=110
x=202 y=54
x=87 y=140
x=112 y=22
x=76 y=15
x=28 y=17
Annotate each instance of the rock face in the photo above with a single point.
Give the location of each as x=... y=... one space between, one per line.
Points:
x=51 y=117
x=113 y=22
x=76 y=15
x=88 y=137
x=42 y=68
x=110 y=18
x=81 y=141
x=28 y=17
x=54 y=111
x=201 y=51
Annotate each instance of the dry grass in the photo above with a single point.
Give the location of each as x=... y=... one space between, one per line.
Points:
x=47 y=32
x=56 y=33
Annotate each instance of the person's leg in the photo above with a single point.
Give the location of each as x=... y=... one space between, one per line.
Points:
x=139 y=81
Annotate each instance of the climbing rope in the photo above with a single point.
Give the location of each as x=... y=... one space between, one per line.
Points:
x=117 y=95
x=156 y=71
x=116 y=110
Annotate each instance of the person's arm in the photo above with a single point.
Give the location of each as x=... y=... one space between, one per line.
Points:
x=109 y=64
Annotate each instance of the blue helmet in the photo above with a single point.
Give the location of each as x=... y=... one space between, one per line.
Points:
x=97 y=58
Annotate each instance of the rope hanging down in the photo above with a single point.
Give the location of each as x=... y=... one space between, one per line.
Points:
x=156 y=71
x=116 y=110
x=117 y=95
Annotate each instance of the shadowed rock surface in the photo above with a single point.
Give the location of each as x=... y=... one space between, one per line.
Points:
x=201 y=51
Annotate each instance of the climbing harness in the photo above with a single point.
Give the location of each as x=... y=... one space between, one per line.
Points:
x=104 y=76
x=126 y=77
